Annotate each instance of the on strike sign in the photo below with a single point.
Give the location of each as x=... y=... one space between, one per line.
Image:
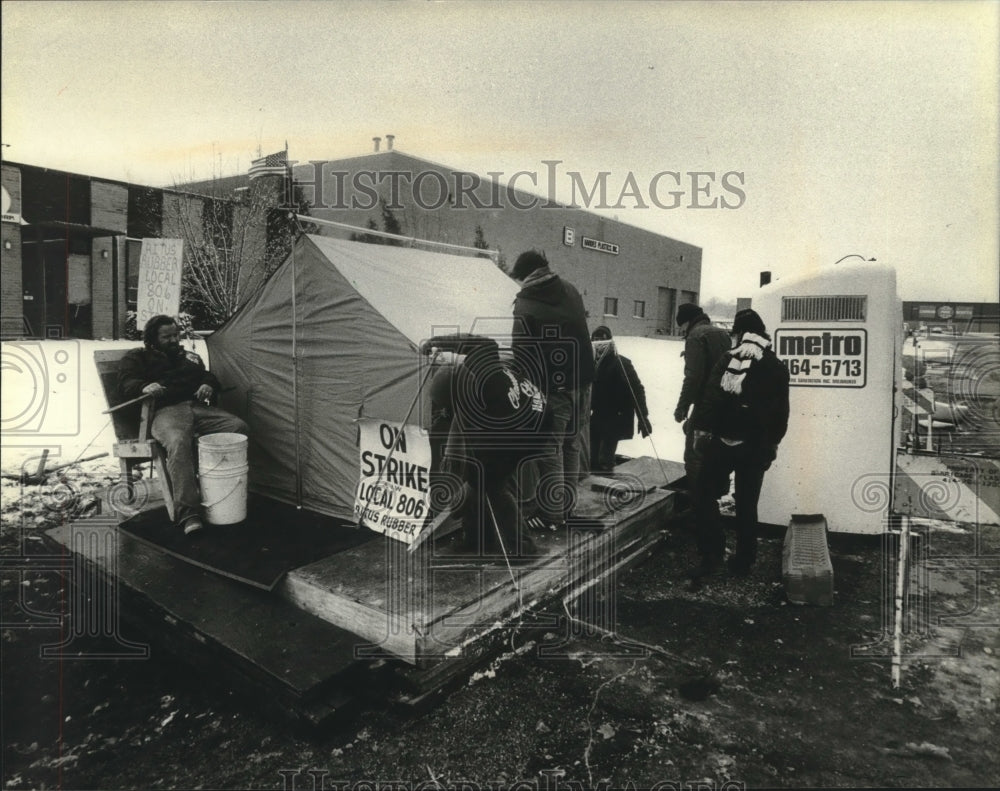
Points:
x=161 y=265
x=394 y=484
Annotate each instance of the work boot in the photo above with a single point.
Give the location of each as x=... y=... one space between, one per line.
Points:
x=193 y=526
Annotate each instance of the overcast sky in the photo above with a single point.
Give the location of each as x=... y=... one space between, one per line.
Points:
x=858 y=128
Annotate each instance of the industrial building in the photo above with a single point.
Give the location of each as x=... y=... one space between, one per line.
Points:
x=71 y=242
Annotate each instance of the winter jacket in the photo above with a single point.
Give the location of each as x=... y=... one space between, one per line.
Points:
x=486 y=399
x=181 y=376
x=614 y=397
x=759 y=413
x=550 y=338
x=704 y=347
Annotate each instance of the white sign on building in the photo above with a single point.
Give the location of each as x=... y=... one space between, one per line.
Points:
x=601 y=247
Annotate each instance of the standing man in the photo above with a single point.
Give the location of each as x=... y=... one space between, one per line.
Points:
x=704 y=345
x=552 y=345
x=746 y=409
x=617 y=397
x=494 y=418
x=183 y=389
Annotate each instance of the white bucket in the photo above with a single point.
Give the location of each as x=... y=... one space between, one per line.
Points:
x=221 y=452
x=224 y=495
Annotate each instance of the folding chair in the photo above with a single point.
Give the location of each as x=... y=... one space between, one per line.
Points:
x=133 y=422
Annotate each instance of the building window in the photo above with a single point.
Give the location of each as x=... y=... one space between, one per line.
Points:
x=639 y=310
x=610 y=306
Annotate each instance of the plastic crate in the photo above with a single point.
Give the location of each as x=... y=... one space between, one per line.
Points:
x=805 y=564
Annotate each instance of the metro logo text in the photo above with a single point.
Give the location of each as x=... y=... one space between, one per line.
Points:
x=821 y=357
x=816 y=345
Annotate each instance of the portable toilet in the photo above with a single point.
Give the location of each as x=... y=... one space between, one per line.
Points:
x=838 y=330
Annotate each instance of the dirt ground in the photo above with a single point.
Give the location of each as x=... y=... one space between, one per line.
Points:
x=803 y=700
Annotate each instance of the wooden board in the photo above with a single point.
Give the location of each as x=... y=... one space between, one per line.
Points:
x=651 y=472
x=253 y=639
x=426 y=607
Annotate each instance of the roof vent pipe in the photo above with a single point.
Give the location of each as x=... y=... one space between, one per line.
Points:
x=388 y=142
x=376 y=140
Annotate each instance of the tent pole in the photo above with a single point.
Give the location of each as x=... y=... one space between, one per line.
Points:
x=493 y=254
x=295 y=388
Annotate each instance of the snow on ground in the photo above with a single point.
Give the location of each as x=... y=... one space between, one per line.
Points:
x=51 y=398
x=660 y=367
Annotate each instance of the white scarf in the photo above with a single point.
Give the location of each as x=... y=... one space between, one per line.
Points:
x=750 y=350
x=601 y=349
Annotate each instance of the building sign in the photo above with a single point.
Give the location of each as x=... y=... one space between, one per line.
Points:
x=161 y=265
x=569 y=236
x=818 y=357
x=963 y=312
x=601 y=247
x=945 y=312
x=394 y=484
x=926 y=312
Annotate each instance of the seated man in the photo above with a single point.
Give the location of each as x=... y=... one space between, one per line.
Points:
x=183 y=389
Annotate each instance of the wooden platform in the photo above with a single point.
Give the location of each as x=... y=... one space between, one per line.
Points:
x=430 y=606
x=129 y=593
x=316 y=644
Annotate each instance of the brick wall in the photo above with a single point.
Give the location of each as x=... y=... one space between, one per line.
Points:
x=11 y=317
x=646 y=261
x=101 y=288
x=108 y=206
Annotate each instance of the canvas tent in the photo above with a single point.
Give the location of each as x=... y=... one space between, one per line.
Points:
x=354 y=316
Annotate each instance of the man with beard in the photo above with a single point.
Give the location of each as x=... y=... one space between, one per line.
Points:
x=183 y=389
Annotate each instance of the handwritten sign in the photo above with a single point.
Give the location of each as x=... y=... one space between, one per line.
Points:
x=161 y=265
x=394 y=482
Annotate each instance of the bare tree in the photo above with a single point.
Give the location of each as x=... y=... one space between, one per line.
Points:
x=232 y=241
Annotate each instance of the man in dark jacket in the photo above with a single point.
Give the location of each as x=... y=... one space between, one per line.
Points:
x=183 y=390
x=616 y=398
x=746 y=409
x=551 y=343
x=704 y=345
x=486 y=417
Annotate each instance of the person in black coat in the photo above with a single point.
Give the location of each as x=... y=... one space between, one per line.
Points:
x=746 y=409
x=183 y=389
x=551 y=343
x=704 y=345
x=486 y=417
x=616 y=398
